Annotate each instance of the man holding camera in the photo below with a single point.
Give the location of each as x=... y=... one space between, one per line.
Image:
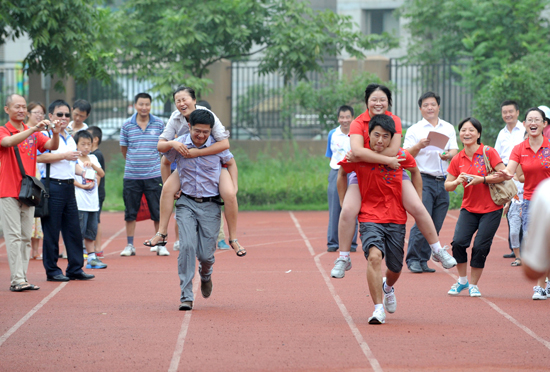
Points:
x=17 y=217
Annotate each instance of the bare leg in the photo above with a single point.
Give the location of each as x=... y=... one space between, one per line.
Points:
x=34 y=244
x=130 y=228
x=165 y=170
x=541 y=282
x=346 y=225
x=170 y=188
x=462 y=269
x=374 y=274
x=90 y=246
x=391 y=277
x=414 y=206
x=475 y=274
x=231 y=211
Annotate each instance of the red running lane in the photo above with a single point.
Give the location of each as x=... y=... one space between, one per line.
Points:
x=271 y=310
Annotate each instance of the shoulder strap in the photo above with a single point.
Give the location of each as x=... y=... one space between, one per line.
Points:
x=16 y=150
x=487 y=162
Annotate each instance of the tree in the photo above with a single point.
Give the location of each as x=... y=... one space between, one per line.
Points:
x=486 y=35
x=69 y=37
x=171 y=42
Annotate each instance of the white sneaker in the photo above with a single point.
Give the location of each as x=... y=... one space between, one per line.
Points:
x=154 y=248
x=447 y=261
x=540 y=294
x=390 y=302
x=162 y=251
x=130 y=250
x=378 y=317
x=341 y=265
x=177 y=245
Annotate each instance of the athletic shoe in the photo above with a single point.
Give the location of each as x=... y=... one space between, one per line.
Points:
x=162 y=251
x=474 y=291
x=96 y=264
x=99 y=254
x=177 y=245
x=390 y=302
x=223 y=245
x=154 y=248
x=378 y=317
x=341 y=265
x=540 y=294
x=457 y=288
x=130 y=250
x=547 y=283
x=447 y=261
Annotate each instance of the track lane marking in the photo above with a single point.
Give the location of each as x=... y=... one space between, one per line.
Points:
x=345 y=313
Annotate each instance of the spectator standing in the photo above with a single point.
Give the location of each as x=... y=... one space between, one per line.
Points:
x=97 y=136
x=17 y=217
x=81 y=111
x=337 y=148
x=63 y=210
x=433 y=163
x=511 y=135
x=139 y=136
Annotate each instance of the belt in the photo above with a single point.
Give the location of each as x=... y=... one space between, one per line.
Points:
x=216 y=199
x=437 y=178
x=70 y=181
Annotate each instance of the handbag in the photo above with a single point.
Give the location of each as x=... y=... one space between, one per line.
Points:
x=501 y=192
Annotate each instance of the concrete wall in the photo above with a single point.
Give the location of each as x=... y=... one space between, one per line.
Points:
x=36 y=93
x=378 y=65
x=220 y=95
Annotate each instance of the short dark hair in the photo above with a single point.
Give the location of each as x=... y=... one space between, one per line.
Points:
x=181 y=88
x=345 y=108
x=58 y=103
x=383 y=121
x=201 y=117
x=538 y=110
x=96 y=132
x=143 y=95
x=204 y=103
x=82 y=105
x=429 y=95
x=9 y=98
x=509 y=102
x=476 y=125
x=371 y=88
x=82 y=134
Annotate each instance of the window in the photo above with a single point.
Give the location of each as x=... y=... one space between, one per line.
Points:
x=376 y=21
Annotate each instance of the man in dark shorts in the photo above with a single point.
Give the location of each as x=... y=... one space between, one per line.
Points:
x=382 y=217
x=139 y=136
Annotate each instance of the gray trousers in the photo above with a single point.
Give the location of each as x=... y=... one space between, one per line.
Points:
x=334 y=210
x=436 y=201
x=199 y=225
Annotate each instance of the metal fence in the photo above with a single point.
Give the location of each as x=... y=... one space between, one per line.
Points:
x=13 y=79
x=412 y=80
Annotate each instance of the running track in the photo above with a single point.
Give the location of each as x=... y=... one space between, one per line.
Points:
x=275 y=309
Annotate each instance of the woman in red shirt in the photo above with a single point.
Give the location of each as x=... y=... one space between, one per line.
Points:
x=378 y=98
x=478 y=211
x=533 y=155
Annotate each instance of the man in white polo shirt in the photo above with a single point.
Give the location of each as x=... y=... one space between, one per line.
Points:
x=511 y=135
x=62 y=206
x=337 y=147
x=433 y=163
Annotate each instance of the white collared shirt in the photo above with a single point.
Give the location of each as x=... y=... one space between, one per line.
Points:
x=507 y=140
x=62 y=169
x=337 y=147
x=428 y=159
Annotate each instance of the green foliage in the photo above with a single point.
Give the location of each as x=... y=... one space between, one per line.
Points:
x=455 y=197
x=69 y=37
x=486 y=35
x=324 y=97
x=172 y=42
x=526 y=81
x=113 y=184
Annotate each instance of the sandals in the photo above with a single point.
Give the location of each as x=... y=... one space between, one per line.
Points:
x=24 y=287
x=149 y=243
x=240 y=251
x=517 y=262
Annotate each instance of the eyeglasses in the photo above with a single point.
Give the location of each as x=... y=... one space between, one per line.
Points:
x=37 y=113
x=60 y=115
x=536 y=121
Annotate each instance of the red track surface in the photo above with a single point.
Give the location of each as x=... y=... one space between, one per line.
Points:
x=275 y=309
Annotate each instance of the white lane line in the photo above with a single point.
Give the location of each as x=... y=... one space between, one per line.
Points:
x=111 y=239
x=276 y=242
x=13 y=329
x=347 y=317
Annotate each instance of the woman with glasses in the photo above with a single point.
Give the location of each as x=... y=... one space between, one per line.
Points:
x=35 y=114
x=533 y=155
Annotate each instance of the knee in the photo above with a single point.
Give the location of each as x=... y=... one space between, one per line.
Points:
x=375 y=256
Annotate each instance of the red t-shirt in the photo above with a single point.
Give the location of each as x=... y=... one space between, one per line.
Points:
x=536 y=167
x=477 y=198
x=10 y=174
x=361 y=126
x=380 y=187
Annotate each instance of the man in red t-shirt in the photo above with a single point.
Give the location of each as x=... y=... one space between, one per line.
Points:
x=17 y=217
x=382 y=217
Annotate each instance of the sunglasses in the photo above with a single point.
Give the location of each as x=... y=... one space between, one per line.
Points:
x=60 y=115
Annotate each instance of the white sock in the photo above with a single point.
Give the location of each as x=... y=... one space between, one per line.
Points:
x=379 y=307
x=462 y=280
x=472 y=286
x=387 y=289
x=91 y=256
x=344 y=255
x=435 y=247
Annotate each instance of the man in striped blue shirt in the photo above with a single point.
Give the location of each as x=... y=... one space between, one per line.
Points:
x=139 y=136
